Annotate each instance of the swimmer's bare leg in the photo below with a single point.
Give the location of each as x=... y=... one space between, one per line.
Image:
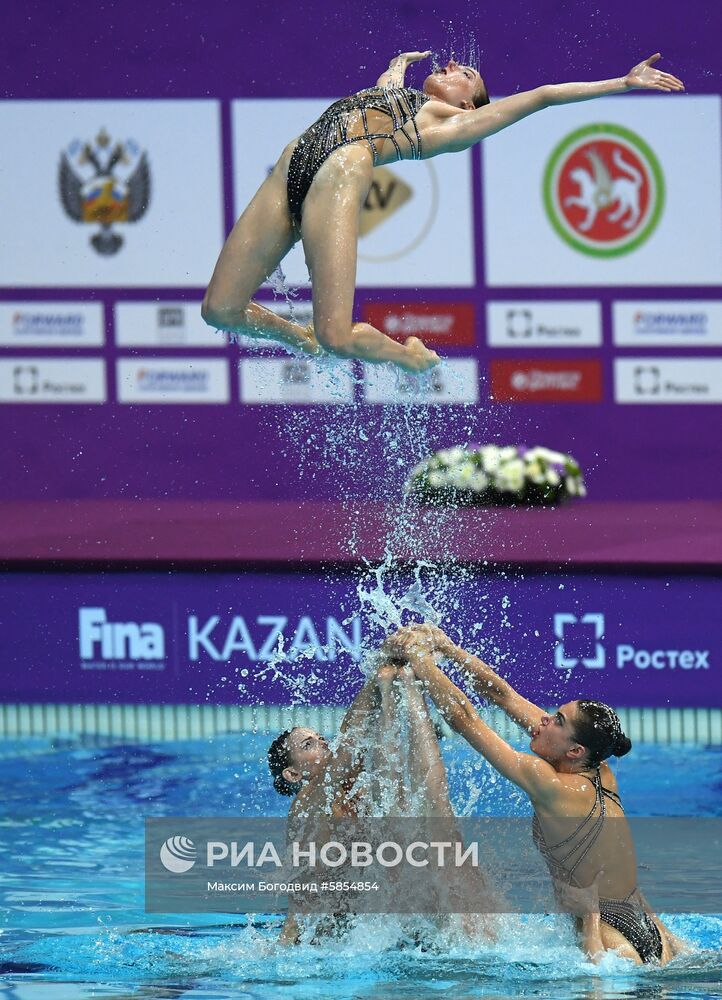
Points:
x=330 y=232
x=430 y=796
x=255 y=247
x=429 y=785
x=388 y=785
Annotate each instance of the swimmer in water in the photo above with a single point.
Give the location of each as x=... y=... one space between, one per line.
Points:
x=318 y=187
x=363 y=776
x=579 y=824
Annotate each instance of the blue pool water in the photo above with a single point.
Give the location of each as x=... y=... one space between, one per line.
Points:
x=71 y=888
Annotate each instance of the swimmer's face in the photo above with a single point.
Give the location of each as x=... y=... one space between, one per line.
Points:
x=308 y=751
x=454 y=84
x=553 y=739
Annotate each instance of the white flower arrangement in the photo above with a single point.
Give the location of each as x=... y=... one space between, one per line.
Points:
x=489 y=475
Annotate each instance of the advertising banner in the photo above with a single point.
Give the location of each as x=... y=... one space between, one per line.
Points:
x=164 y=324
x=51 y=324
x=543 y=324
x=456 y=382
x=112 y=191
x=295 y=380
x=172 y=380
x=302 y=638
x=668 y=380
x=667 y=323
x=544 y=381
x=596 y=194
x=52 y=380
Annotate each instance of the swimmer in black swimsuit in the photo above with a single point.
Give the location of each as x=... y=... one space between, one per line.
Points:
x=579 y=824
x=318 y=187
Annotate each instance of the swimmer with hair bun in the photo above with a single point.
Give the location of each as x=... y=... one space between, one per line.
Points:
x=579 y=823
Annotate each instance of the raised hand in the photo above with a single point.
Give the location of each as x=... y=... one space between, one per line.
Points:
x=412 y=57
x=644 y=77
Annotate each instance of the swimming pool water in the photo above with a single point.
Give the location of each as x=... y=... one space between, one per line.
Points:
x=73 y=925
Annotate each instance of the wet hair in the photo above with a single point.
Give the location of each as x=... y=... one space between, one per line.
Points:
x=598 y=729
x=279 y=758
x=481 y=95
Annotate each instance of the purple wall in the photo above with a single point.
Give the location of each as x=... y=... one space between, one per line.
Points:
x=223 y=50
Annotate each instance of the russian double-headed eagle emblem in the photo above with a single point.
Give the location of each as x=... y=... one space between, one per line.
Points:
x=104 y=183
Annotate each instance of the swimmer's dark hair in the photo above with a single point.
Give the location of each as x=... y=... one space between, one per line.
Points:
x=481 y=97
x=597 y=727
x=279 y=758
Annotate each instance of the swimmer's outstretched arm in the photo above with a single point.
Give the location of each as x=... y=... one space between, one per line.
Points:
x=395 y=74
x=537 y=778
x=483 y=678
x=463 y=130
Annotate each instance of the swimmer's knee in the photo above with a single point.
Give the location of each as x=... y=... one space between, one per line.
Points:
x=220 y=315
x=336 y=338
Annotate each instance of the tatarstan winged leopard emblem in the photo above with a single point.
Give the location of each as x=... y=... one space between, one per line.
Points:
x=104 y=183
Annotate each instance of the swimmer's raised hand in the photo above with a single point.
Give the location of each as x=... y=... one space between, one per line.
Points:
x=394 y=75
x=644 y=77
x=412 y=57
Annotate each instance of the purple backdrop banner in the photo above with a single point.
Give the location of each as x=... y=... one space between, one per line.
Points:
x=121 y=443
x=191 y=638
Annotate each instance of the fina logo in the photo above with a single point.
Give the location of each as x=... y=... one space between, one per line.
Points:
x=564 y=662
x=118 y=640
x=178 y=855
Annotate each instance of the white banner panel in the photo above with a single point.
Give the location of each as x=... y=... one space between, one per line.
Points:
x=52 y=380
x=455 y=381
x=620 y=191
x=295 y=380
x=117 y=193
x=418 y=216
x=543 y=324
x=164 y=324
x=51 y=324
x=668 y=380
x=667 y=323
x=172 y=380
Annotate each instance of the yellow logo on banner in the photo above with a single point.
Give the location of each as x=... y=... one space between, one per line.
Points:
x=386 y=195
x=91 y=191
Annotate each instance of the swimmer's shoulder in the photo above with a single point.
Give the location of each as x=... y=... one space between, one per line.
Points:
x=437 y=110
x=609 y=780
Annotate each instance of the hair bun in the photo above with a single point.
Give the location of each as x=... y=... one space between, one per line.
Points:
x=622 y=745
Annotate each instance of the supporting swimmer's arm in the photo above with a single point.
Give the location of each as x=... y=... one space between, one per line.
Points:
x=364 y=701
x=346 y=758
x=483 y=678
x=530 y=773
x=489 y=685
x=395 y=74
x=469 y=127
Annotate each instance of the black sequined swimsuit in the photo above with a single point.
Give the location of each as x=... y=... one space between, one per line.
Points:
x=627 y=915
x=369 y=116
